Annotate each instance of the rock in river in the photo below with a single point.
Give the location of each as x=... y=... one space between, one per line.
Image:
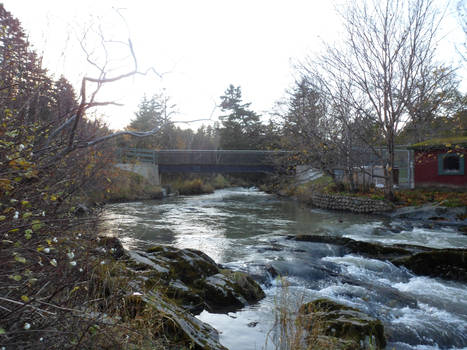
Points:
x=449 y=264
x=336 y=326
x=194 y=280
x=446 y=263
x=172 y=284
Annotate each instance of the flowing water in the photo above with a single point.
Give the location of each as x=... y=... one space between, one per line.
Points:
x=246 y=229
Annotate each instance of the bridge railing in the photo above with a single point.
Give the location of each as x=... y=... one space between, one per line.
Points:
x=137 y=154
x=218 y=157
x=201 y=157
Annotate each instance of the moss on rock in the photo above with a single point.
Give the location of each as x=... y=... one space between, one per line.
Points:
x=194 y=280
x=446 y=263
x=343 y=326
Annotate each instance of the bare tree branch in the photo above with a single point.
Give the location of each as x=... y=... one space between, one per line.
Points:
x=389 y=46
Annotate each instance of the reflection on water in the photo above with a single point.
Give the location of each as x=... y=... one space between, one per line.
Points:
x=245 y=229
x=214 y=221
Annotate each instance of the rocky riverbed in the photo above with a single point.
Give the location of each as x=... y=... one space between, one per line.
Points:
x=181 y=283
x=408 y=274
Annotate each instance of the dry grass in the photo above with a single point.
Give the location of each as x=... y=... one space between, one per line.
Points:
x=193 y=187
x=127 y=186
x=293 y=330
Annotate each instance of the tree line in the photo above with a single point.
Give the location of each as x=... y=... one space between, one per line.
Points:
x=238 y=128
x=381 y=87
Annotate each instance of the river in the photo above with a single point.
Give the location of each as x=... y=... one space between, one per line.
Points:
x=246 y=229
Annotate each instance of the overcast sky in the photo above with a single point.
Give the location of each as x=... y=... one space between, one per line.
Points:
x=200 y=46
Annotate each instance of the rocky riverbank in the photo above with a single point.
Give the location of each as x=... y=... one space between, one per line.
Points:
x=176 y=284
x=184 y=282
x=173 y=285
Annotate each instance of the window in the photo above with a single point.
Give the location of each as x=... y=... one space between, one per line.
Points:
x=451 y=164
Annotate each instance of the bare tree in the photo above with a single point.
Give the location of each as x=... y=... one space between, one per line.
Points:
x=388 y=45
x=462 y=14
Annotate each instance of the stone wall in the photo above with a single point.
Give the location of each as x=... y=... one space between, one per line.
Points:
x=347 y=203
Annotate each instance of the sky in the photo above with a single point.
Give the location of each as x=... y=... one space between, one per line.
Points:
x=197 y=48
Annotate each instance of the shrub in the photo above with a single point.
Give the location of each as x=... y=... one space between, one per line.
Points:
x=220 y=182
x=192 y=187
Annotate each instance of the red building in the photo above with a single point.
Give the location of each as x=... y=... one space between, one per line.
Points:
x=440 y=162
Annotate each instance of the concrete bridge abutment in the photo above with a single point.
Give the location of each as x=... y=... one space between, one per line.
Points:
x=149 y=171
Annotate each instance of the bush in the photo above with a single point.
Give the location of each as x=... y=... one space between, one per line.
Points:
x=220 y=182
x=192 y=187
x=126 y=186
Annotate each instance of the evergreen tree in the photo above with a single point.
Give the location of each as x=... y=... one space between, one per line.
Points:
x=152 y=112
x=241 y=127
x=65 y=98
x=24 y=84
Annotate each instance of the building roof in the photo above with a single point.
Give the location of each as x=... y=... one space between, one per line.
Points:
x=454 y=142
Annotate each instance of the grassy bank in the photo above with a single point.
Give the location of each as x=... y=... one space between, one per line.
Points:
x=123 y=186
x=404 y=197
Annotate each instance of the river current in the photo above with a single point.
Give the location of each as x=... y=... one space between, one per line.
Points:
x=246 y=229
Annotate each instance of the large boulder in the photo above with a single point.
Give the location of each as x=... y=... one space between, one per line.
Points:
x=194 y=280
x=230 y=290
x=332 y=325
x=445 y=263
x=433 y=213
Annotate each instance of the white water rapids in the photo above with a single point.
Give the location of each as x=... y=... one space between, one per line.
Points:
x=246 y=229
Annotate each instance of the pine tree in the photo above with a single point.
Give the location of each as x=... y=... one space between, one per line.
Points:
x=241 y=127
x=153 y=112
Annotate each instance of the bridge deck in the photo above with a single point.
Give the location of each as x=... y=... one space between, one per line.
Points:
x=203 y=157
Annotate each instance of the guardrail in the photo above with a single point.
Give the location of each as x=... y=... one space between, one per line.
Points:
x=137 y=154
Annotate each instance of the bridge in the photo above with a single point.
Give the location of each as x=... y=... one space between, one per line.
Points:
x=150 y=163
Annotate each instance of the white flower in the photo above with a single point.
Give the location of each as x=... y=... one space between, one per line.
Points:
x=21 y=147
x=70 y=255
x=43 y=213
x=53 y=262
x=80 y=269
x=73 y=263
x=55 y=239
x=103 y=262
x=16 y=216
x=41 y=339
x=27 y=325
x=79 y=234
x=46 y=250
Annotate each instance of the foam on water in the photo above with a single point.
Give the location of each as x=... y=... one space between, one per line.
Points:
x=423 y=286
x=360 y=265
x=445 y=237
